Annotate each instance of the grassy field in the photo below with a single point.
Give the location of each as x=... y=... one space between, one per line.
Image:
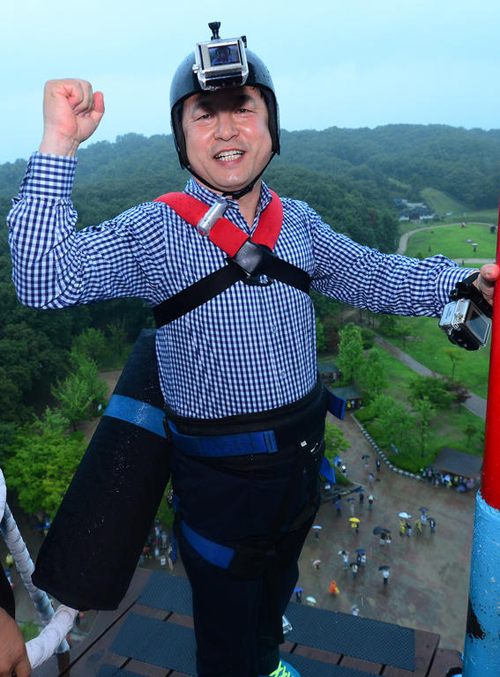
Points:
x=454 y=241
x=442 y=204
x=427 y=345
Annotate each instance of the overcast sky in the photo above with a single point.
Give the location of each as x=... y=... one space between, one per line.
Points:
x=344 y=64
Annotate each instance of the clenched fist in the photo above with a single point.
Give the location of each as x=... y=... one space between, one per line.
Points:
x=72 y=112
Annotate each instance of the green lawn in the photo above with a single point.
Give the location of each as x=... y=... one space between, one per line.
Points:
x=454 y=241
x=442 y=203
x=427 y=346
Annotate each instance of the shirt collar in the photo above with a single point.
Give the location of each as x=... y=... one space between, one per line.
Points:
x=209 y=197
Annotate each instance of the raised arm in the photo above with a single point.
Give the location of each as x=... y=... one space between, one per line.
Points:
x=72 y=112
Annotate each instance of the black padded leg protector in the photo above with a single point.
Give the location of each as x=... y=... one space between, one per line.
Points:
x=90 y=553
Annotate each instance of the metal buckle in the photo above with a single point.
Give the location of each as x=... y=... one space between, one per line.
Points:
x=258 y=280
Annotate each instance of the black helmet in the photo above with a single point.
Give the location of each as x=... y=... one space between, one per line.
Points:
x=186 y=83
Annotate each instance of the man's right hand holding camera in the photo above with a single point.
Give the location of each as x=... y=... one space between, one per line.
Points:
x=71 y=114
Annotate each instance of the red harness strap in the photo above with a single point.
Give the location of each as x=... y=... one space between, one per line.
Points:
x=225 y=234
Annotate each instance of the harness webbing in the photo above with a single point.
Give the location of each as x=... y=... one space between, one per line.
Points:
x=249 y=257
x=225 y=234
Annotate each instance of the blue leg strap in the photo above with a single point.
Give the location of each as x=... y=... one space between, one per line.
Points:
x=216 y=554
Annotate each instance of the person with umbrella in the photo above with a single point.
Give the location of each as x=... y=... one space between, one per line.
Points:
x=298 y=595
x=361 y=557
x=384 y=534
x=385 y=569
x=354 y=523
x=316 y=529
x=351 y=502
x=334 y=588
x=345 y=558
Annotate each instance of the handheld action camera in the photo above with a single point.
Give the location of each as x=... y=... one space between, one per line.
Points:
x=221 y=63
x=465 y=324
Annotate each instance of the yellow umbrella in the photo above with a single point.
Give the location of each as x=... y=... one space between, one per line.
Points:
x=354 y=519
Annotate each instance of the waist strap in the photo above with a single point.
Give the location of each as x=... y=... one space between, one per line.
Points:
x=242 y=444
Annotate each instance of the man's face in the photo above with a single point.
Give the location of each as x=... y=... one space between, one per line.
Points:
x=227 y=136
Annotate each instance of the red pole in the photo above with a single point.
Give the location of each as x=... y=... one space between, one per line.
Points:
x=490 y=487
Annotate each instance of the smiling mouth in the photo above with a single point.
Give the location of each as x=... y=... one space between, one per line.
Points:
x=229 y=155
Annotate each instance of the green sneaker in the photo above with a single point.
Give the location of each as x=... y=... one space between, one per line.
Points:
x=284 y=670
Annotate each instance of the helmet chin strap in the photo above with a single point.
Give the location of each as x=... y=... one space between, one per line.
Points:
x=237 y=194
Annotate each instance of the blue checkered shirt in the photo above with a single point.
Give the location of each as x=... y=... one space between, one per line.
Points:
x=249 y=349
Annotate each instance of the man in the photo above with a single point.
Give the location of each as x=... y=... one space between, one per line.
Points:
x=238 y=370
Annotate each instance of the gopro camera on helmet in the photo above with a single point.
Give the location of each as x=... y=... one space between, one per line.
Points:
x=467 y=318
x=221 y=63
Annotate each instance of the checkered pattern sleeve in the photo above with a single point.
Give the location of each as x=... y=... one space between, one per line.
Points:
x=56 y=266
x=383 y=283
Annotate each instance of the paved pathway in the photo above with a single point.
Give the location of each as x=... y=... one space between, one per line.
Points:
x=429 y=575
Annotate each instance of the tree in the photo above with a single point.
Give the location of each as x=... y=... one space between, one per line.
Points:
x=91 y=344
x=373 y=373
x=389 y=325
x=321 y=343
x=350 y=358
x=470 y=431
x=42 y=461
x=455 y=355
x=425 y=409
x=81 y=391
x=335 y=442
x=434 y=389
x=395 y=424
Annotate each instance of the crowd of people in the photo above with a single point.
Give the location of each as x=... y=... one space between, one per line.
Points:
x=361 y=547
x=447 y=479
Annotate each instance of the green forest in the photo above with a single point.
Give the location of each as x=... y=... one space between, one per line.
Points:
x=49 y=360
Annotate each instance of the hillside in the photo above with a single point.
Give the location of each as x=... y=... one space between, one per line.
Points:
x=350 y=176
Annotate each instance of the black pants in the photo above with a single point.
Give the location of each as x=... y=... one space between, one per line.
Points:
x=231 y=502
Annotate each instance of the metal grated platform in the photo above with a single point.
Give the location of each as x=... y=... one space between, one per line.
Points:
x=167 y=592
x=173 y=647
x=151 y=634
x=341 y=633
x=327 y=630
x=152 y=641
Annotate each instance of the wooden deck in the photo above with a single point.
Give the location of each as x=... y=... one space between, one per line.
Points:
x=142 y=638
